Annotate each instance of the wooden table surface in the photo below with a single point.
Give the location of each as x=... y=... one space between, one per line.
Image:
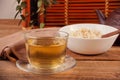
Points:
x=100 y=67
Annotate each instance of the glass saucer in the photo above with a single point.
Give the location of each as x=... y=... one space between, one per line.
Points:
x=68 y=64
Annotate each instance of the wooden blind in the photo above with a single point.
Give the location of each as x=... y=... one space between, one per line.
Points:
x=113 y=4
x=83 y=11
x=77 y=11
x=67 y=12
x=55 y=15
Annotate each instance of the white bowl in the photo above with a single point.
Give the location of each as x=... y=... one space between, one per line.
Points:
x=90 y=46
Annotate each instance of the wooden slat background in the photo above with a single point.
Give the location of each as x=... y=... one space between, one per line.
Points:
x=79 y=11
x=73 y=11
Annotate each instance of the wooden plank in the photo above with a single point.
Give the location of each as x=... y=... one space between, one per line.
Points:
x=9 y=21
x=113 y=54
x=84 y=70
x=8 y=26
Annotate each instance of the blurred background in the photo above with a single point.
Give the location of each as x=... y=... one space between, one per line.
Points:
x=7 y=9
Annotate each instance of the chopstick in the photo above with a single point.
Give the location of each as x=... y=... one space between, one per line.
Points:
x=111 y=34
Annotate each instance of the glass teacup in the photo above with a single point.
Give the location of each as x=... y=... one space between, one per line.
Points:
x=46 y=52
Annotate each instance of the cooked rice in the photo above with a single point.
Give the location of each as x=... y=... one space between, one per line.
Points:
x=86 y=33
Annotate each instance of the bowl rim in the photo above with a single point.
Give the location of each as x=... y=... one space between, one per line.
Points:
x=88 y=24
